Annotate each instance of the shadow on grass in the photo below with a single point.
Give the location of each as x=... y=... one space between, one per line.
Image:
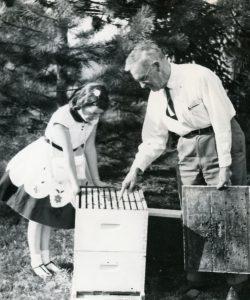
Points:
x=68 y=267
x=164 y=268
x=8 y=216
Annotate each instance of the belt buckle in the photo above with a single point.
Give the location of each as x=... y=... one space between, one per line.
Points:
x=191 y=134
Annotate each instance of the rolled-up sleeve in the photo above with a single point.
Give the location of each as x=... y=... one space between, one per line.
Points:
x=221 y=111
x=154 y=134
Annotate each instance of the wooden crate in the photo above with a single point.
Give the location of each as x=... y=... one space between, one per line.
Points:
x=216 y=229
x=110 y=245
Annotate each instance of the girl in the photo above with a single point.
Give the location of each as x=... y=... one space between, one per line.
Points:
x=43 y=180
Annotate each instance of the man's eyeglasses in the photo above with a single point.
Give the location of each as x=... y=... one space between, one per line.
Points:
x=145 y=77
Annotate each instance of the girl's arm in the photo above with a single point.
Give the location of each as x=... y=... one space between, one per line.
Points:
x=63 y=134
x=91 y=158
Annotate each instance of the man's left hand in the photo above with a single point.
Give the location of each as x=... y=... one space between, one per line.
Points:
x=224 y=178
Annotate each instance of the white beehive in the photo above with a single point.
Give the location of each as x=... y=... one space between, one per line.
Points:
x=110 y=245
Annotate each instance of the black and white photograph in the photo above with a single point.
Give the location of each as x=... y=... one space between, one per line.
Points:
x=124 y=149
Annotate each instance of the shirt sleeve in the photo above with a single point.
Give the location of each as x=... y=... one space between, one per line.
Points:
x=221 y=111
x=154 y=135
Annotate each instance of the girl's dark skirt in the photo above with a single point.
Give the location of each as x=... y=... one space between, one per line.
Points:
x=38 y=210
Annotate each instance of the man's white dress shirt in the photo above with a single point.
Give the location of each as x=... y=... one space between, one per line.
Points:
x=199 y=101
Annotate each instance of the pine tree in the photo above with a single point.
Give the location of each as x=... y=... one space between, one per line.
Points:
x=188 y=31
x=236 y=16
x=39 y=69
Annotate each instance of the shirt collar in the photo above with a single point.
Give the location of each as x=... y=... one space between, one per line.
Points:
x=173 y=76
x=76 y=115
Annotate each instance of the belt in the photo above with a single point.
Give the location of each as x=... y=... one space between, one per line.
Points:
x=59 y=147
x=199 y=132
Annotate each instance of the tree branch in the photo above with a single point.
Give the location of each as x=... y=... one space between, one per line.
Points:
x=21 y=27
x=235 y=20
x=40 y=15
x=16 y=44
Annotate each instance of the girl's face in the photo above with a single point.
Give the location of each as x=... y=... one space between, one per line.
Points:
x=91 y=113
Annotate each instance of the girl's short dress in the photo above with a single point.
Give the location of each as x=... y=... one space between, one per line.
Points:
x=36 y=184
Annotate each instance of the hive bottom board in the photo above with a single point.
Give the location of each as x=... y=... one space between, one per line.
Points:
x=82 y=296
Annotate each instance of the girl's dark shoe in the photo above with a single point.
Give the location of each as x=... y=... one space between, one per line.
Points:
x=52 y=267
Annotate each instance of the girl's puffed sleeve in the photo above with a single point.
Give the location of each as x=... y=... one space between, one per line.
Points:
x=62 y=116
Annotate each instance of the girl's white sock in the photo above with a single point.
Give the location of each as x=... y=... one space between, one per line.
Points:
x=45 y=256
x=36 y=260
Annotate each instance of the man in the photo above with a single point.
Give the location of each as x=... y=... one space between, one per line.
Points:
x=189 y=100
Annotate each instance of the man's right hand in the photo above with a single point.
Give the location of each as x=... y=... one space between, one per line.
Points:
x=129 y=182
x=224 y=178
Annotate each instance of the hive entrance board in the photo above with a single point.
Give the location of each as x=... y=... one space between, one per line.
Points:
x=216 y=229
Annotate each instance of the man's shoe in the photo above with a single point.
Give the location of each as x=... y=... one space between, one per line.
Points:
x=191 y=294
x=232 y=294
x=191 y=290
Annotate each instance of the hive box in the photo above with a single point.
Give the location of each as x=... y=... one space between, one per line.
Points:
x=110 y=245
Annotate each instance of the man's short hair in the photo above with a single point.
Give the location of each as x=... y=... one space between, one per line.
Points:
x=146 y=52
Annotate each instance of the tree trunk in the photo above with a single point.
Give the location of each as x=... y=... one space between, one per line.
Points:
x=61 y=89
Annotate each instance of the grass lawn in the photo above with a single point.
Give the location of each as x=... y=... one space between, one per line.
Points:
x=164 y=270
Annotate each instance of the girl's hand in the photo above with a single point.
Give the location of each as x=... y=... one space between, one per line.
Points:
x=83 y=182
x=76 y=191
x=99 y=183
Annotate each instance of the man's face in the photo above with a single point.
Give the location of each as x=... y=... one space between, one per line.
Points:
x=148 y=77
